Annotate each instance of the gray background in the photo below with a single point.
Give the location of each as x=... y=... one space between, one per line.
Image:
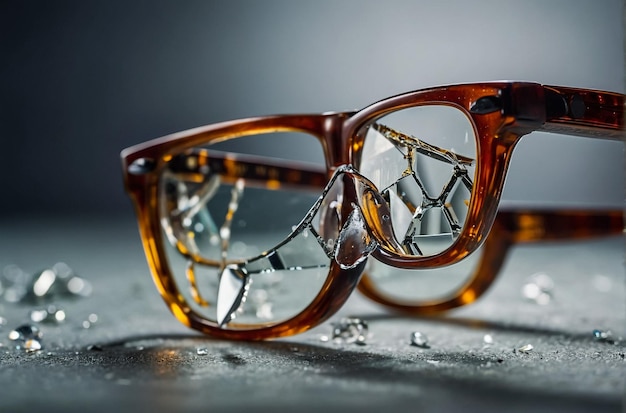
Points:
x=80 y=80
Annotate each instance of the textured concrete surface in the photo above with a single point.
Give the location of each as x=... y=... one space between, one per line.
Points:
x=137 y=357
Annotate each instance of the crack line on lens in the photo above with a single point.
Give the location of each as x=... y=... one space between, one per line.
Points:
x=459 y=162
x=236 y=194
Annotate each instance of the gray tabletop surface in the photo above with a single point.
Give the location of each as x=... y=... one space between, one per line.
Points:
x=136 y=357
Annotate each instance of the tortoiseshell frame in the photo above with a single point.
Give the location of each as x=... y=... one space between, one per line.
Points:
x=501 y=112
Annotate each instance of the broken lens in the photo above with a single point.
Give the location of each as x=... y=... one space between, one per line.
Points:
x=422 y=160
x=229 y=205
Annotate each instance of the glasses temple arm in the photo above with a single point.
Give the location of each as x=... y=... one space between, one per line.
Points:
x=583 y=112
x=552 y=225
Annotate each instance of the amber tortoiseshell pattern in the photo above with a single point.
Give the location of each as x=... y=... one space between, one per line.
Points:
x=500 y=113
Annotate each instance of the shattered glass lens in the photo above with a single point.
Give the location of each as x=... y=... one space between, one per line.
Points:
x=422 y=161
x=226 y=210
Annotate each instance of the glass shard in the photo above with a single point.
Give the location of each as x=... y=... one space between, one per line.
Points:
x=202 y=351
x=32 y=345
x=27 y=337
x=354 y=243
x=488 y=339
x=527 y=348
x=350 y=330
x=419 y=339
x=605 y=336
x=59 y=280
x=94 y=347
x=231 y=292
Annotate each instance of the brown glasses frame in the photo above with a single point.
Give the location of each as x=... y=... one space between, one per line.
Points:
x=501 y=113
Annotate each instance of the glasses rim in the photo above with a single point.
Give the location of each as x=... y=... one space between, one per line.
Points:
x=500 y=112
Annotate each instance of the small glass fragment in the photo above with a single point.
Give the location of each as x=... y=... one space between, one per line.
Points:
x=324 y=338
x=419 y=340
x=25 y=332
x=526 y=348
x=605 y=336
x=32 y=345
x=94 y=347
x=488 y=339
x=28 y=337
x=202 y=351
x=350 y=330
x=538 y=288
x=47 y=315
x=59 y=280
x=91 y=320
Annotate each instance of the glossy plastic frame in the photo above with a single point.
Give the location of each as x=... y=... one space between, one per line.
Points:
x=501 y=112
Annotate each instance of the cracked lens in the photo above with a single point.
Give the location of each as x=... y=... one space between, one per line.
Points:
x=232 y=214
x=422 y=161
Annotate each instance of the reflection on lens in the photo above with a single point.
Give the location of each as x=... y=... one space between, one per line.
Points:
x=229 y=203
x=422 y=160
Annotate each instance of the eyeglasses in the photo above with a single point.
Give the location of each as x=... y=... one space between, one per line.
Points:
x=262 y=227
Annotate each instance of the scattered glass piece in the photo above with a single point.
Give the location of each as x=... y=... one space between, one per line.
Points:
x=605 y=336
x=488 y=339
x=51 y=314
x=526 y=348
x=94 y=347
x=350 y=330
x=232 y=291
x=324 y=338
x=32 y=345
x=202 y=351
x=91 y=320
x=59 y=280
x=539 y=288
x=25 y=332
x=419 y=340
x=28 y=337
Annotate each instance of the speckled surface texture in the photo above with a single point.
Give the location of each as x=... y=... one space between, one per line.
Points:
x=141 y=359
